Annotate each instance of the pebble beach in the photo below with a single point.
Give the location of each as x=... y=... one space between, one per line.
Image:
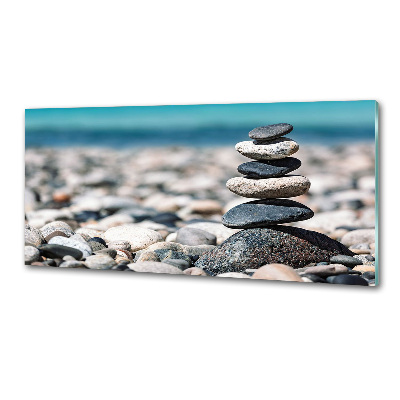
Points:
x=161 y=209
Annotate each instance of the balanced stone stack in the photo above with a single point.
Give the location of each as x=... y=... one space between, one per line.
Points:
x=262 y=239
x=267 y=179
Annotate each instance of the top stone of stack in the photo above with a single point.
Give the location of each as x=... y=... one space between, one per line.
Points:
x=270 y=132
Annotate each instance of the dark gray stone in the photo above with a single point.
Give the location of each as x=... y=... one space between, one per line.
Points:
x=348 y=261
x=59 y=251
x=346 y=279
x=253 y=248
x=368 y=275
x=270 y=132
x=195 y=237
x=269 y=168
x=266 y=212
x=164 y=254
x=181 y=264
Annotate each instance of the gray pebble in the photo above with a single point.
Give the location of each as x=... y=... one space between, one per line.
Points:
x=32 y=254
x=194 y=237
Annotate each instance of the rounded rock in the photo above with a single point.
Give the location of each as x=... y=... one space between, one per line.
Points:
x=155 y=268
x=327 y=270
x=59 y=251
x=56 y=228
x=277 y=272
x=194 y=237
x=358 y=236
x=274 y=150
x=348 y=261
x=259 y=213
x=194 y=271
x=100 y=261
x=76 y=244
x=139 y=238
x=348 y=280
x=32 y=254
x=271 y=188
x=33 y=236
x=269 y=168
x=270 y=131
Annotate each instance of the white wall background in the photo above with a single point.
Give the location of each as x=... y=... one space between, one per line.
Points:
x=93 y=335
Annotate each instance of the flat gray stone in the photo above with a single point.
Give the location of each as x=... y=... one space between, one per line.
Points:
x=260 y=213
x=194 y=237
x=270 y=131
x=269 y=168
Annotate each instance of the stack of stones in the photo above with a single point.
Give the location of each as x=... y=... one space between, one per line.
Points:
x=267 y=179
x=262 y=239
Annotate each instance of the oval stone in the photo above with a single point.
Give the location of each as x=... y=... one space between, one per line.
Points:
x=277 y=272
x=271 y=188
x=274 y=150
x=253 y=248
x=270 y=131
x=269 y=168
x=259 y=213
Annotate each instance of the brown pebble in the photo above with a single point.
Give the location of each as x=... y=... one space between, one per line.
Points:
x=277 y=272
x=194 y=271
x=327 y=270
x=364 y=268
x=61 y=197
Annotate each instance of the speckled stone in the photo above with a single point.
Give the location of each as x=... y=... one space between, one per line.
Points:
x=119 y=245
x=32 y=254
x=269 y=168
x=271 y=188
x=345 y=260
x=181 y=264
x=253 y=248
x=100 y=261
x=270 y=131
x=274 y=150
x=33 y=236
x=164 y=254
x=138 y=237
x=194 y=271
x=260 y=213
x=59 y=227
x=155 y=268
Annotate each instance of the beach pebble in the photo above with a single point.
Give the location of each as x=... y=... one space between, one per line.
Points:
x=286 y=186
x=147 y=255
x=269 y=169
x=32 y=254
x=313 y=278
x=76 y=244
x=181 y=264
x=220 y=231
x=255 y=247
x=56 y=228
x=368 y=275
x=109 y=252
x=171 y=237
x=233 y=275
x=261 y=213
x=327 y=270
x=347 y=280
x=275 y=149
x=155 y=268
x=95 y=245
x=119 y=245
x=138 y=237
x=348 y=261
x=277 y=272
x=59 y=251
x=33 y=236
x=360 y=248
x=193 y=237
x=115 y=220
x=72 y=264
x=205 y=207
x=364 y=268
x=270 y=131
x=100 y=261
x=91 y=232
x=329 y=221
x=194 y=271
x=358 y=236
x=166 y=253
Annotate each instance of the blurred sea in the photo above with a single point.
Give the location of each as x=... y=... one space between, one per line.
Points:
x=197 y=125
